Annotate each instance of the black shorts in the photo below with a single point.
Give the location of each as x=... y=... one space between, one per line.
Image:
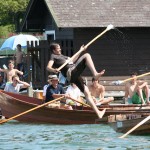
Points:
x=76 y=75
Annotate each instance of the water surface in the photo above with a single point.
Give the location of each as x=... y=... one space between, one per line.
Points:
x=22 y=136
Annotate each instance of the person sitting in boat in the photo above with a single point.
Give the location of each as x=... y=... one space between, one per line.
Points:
x=56 y=90
x=136 y=91
x=16 y=85
x=75 y=93
x=46 y=86
x=73 y=70
x=11 y=71
x=98 y=91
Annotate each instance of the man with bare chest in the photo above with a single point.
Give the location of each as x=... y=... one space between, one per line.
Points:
x=19 y=57
x=97 y=91
x=10 y=72
x=137 y=91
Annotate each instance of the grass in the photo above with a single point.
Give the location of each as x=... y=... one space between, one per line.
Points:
x=5 y=32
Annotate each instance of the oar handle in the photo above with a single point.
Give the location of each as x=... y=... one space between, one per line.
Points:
x=142 y=75
x=123 y=81
x=79 y=102
x=93 y=40
x=96 y=38
x=25 y=112
x=69 y=60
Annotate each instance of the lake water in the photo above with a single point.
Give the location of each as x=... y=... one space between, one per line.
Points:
x=22 y=136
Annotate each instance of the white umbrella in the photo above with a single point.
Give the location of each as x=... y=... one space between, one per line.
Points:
x=22 y=39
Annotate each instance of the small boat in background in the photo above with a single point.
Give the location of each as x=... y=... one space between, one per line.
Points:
x=126 y=122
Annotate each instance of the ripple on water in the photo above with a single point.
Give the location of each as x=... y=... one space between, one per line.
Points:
x=76 y=137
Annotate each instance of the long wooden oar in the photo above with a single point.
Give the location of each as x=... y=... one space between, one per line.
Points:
x=80 y=102
x=25 y=112
x=123 y=81
x=109 y=27
x=135 y=127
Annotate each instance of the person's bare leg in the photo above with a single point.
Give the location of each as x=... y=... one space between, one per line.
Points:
x=90 y=64
x=107 y=100
x=91 y=102
x=140 y=93
x=146 y=90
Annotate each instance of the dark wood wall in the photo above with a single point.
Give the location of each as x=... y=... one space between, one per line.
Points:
x=120 y=51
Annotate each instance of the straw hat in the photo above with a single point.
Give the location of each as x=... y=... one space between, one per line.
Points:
x=52 y=77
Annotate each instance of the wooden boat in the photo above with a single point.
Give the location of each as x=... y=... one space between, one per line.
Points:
x=13 y=104
x=125 y=124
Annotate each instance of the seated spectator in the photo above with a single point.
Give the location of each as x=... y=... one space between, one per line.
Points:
x=11 y=71
x=46 y=86
x=55 y=91
x=137 y=91
x=97 y=92
x=75 y=93
x=16 y=85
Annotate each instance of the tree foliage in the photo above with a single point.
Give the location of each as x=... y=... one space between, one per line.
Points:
x=9 y=9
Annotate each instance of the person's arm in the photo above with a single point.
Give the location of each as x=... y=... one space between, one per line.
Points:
x=25 y=84
x=19 y=72
x=50 y=68
x=102 y=92
x=62 y=93
x=126 y=93
x=141 y=84
x=3 y=70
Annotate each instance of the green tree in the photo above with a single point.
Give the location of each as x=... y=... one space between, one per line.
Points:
x=10 y=9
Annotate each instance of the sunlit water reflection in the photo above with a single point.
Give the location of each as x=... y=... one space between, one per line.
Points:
x=15 y=135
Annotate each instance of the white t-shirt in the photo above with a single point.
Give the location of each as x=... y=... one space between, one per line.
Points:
x=44 y=89
x=10 y=88
x=73 y=92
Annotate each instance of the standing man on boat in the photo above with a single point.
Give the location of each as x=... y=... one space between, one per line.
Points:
x=74 y=69
x=16 y=85
x=98 y=91
x=137 y=91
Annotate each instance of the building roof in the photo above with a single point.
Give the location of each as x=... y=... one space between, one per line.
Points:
x=99 y=13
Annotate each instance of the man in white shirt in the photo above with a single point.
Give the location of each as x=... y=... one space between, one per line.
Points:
x=16 y=85
x=74 y=92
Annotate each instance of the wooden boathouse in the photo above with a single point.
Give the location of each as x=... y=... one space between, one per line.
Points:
x=73 y=23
